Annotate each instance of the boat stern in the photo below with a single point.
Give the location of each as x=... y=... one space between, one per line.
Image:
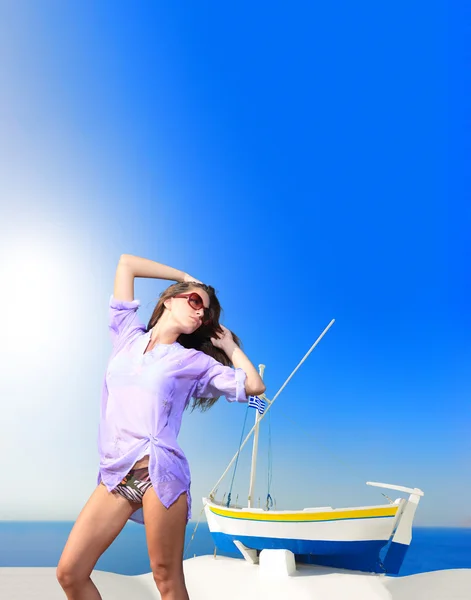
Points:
x=402 y=535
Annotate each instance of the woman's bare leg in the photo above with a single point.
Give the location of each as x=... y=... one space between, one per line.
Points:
x=165 y=534
x=101 y=519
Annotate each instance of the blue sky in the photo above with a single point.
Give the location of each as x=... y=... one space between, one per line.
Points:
x=310 y=163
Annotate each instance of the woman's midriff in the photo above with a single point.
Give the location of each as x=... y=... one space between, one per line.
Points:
x=143 y=462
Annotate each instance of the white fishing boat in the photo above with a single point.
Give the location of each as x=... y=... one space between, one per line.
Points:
x=349 y=538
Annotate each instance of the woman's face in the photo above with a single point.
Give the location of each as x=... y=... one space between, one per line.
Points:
x=184 y=314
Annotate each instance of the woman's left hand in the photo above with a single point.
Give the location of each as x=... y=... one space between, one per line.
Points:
x=223 y=340
x=253 y=384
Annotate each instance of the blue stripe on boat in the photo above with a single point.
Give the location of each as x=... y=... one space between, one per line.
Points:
x=358 y=555
x=395 y=557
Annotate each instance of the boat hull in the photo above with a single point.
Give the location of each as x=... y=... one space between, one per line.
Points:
x=360 y=555
x=342 y=538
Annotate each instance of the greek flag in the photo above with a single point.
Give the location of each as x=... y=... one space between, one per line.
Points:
x=258 y=403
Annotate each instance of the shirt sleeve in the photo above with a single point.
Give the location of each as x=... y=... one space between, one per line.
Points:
x=218 y=380
x=123 y=319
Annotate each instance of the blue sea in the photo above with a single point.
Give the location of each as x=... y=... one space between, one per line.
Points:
x=40 y=543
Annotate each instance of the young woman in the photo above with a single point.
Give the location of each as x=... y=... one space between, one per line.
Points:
x=152 y=375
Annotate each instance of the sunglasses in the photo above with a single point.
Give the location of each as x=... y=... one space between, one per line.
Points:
x=196 y=302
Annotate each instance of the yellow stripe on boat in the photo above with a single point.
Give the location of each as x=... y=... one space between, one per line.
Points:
x=365 y=513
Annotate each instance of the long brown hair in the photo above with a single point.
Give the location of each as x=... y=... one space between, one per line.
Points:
x=201 y=338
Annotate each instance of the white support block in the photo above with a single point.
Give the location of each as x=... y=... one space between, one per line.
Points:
x=277 y=563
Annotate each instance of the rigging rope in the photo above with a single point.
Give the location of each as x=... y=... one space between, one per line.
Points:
x=269 y=503
x=238 y=454
x=194 y=532
x=212 y=495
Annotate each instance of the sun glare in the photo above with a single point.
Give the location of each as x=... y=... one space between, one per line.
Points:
x=37 y=272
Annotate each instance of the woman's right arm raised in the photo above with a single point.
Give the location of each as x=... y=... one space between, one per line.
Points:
x=130 y=267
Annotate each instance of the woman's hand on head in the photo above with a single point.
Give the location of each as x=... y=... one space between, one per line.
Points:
x=188 y=279
x=223 y=340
